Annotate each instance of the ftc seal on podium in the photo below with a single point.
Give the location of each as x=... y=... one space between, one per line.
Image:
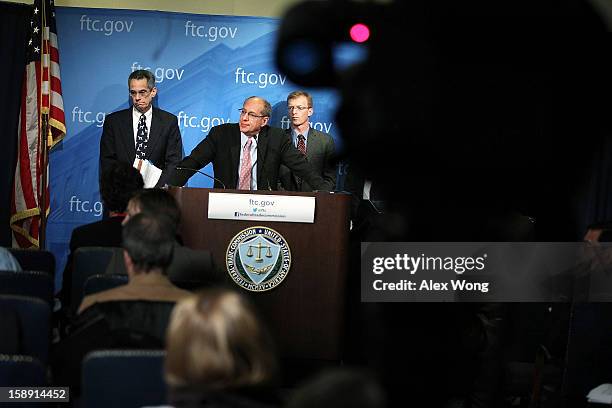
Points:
x=258 y=259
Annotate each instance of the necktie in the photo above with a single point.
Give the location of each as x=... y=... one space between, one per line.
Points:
x=142 y=137
x=245 y=169
x=301 y=145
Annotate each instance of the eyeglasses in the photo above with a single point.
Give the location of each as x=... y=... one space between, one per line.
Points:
x=251 y=115
x=299 y=108
x=142 y=93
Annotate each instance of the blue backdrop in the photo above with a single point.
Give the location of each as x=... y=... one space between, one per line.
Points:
x=205 y=67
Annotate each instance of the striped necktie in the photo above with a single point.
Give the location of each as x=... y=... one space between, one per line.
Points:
x=245 y=169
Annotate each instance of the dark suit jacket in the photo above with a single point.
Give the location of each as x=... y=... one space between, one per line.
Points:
x=320 y=151
x=105 y=233
x=164 y=148
x=222 y=148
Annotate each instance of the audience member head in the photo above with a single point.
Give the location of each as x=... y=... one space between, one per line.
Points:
x=117 y=185
x=339 y=388
x=599 y=232
x=8 y=261
x=216 y=342
x=148 y=243
x=154 y=201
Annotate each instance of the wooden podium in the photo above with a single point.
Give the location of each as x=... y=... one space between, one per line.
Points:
x=306 y=311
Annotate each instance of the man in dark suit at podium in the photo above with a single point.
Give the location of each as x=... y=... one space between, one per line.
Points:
x=247 y=155
x=316 y=146
x=142 y=131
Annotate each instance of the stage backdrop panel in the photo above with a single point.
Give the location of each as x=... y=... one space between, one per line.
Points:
x=205 y=67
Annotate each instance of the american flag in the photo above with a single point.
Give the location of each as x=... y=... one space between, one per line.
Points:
x=41 y=95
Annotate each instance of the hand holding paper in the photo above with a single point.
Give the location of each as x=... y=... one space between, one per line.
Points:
x=150 y=173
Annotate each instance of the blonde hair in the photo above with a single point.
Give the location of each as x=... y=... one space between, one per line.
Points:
x=297 y=94
x=215 y=340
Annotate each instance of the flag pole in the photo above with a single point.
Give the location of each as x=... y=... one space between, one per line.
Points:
x=44 y=131
x=43 y=195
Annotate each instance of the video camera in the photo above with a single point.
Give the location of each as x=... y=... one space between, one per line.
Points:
x=457 y=106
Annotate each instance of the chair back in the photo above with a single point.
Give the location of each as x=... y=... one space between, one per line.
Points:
x=21 y=371
x=34 y=316
x=35 y=260
x=27 y=283
x=99 y=283
x=87 y=261
x=123 y=378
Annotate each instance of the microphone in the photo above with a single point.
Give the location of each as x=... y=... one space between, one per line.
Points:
x=377 y=204
x=263 y=169
x=202 y=173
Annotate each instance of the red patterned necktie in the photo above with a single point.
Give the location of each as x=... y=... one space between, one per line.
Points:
x=301 y=145
x=245 y=169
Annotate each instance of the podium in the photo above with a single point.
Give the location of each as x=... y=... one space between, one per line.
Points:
x=305 y=312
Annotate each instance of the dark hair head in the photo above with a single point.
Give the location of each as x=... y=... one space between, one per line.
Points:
x=143 y=74
x=149 y=241
x=157 y=201
x=117 y=185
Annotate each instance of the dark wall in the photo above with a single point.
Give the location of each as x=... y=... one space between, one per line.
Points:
x=13 y=23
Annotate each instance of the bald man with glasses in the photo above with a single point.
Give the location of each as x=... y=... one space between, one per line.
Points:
x=142 y=131
x=247 y=155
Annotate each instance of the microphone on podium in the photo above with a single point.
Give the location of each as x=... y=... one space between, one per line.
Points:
x=202 y=173
x=263 y=167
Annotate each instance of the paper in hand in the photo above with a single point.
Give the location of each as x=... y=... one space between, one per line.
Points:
x=150 y=173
